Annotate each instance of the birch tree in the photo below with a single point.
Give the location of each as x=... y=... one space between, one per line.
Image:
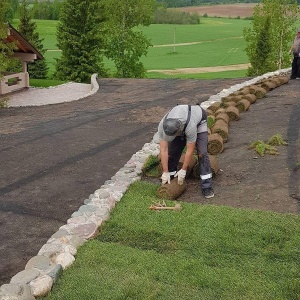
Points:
x=125 y=43
x=281 y=16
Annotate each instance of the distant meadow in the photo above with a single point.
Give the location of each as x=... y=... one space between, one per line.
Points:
x=213 y=42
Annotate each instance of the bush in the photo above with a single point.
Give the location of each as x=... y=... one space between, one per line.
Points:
x=170 y=16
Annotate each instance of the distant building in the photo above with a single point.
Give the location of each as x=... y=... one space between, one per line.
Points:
x=26 y=53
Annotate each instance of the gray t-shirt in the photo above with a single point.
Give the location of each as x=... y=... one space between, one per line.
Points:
x=181 y=112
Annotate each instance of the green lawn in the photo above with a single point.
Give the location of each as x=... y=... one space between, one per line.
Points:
x=217 y=41
x=202 y=252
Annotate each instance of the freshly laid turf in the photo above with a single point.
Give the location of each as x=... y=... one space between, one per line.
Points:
x=200 y=252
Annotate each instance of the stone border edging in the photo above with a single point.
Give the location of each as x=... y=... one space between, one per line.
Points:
x=42 y=271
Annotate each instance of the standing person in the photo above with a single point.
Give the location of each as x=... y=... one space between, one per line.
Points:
x=295 y=50
x=185 y=125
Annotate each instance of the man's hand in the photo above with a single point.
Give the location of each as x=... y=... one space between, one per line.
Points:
x=165 y=178
x=181 y=176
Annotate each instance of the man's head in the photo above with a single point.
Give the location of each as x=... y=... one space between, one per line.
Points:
x=171 y=126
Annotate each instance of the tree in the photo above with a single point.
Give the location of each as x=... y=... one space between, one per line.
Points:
x=37 y=69
x=269 y=39
x=125 y=44
x=80 y=37
x=6 y=49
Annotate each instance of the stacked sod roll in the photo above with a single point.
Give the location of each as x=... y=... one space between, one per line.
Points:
x=220 y=115
x=229 y=109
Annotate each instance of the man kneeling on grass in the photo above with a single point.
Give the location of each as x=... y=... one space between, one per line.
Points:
x=185 y=125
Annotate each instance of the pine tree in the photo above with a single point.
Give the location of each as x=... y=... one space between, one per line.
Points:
x=273 y=27
x=6 y=49
x=126 y=45
x=37 y=69
x=259 y=53
x=80 y=37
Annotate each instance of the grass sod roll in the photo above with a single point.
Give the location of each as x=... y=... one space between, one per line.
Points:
x=244 y=91
x=171 y=191
x=284 y=79
x=191 y=165
x=268 y=85
x=209 y=112
x=214 y=107
x=250 y=97
x=243 y=105
x=231 y=98
x=227 y=104
x=223 y=116
x=233 y=113
x=221 y=127
x=215 y=144
x=214 y=165
x=258 y=91
x=219 y=111
x=277 y=81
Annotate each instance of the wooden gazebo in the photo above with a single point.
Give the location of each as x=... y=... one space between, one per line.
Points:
x=26 y=53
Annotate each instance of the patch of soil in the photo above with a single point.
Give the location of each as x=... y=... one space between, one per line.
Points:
x=247 y=180
x=203 y=69
x=227 y=10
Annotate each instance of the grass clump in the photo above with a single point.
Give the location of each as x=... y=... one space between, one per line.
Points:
x=263 y=148
x=201 y=252
x=210 y=121
x=277 y=140
x=150 y=167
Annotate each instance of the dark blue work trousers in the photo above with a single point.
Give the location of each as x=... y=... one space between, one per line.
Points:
x=176 y=148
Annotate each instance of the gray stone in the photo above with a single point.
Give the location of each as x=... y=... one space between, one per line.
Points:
x=85 y=231
x=39 y=262
x=50 y=249
x=41 y=286
x=55 y=272
x=76 y=241
x=65 y=260
x=14 y=291
x=102 y=193
x=88 y=201
x=59 y=234
x=25 y=276
x=87 y=209
x=76 y=214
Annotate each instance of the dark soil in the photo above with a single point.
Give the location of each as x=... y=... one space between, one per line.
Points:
x=53 y=157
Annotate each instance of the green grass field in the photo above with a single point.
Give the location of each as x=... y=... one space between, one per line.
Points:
x=201 y=252
x=214 y=42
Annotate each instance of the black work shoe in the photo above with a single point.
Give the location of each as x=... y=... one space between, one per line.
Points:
x=208 y=193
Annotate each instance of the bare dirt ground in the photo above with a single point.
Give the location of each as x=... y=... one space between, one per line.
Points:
x=229 y=10
x=203 y=69
x=247 y=180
